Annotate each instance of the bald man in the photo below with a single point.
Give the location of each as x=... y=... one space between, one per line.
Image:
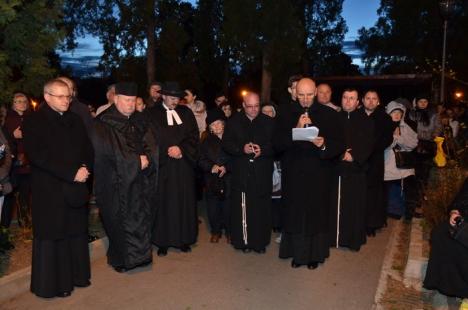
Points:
x=307 y=169
x=248 y=139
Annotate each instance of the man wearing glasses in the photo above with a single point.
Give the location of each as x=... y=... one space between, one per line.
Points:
x=60 y=153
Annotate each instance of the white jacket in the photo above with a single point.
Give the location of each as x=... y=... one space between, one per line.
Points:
x=407 y=141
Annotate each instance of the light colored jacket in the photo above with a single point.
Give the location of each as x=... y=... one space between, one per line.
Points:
x=407 y=141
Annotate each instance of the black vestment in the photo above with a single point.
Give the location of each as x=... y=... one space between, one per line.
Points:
x=447 y=268
x=125 y=194
x=306 y=181
x=349 y=195
x=57 y=145
x=251 y=180
x=176 y=223
x=383 y=137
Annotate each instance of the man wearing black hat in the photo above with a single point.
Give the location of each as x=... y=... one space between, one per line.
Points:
x=126 y=165
x=176 y=222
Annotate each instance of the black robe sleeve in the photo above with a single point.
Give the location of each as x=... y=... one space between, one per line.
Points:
x=231 y=144
x=190 y=143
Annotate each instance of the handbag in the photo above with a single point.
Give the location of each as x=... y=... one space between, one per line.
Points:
x=403 y=159
x=460 y=231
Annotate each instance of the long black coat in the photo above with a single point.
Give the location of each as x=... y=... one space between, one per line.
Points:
x=383 y=137
x=252 y=177
x=176 y=221
x=349 y=195
x=57 y=146
x=125 y=194
x=211 y=153
x=306 y=169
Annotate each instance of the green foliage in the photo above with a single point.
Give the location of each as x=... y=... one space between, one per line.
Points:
x=407 y=38
x=29 y=33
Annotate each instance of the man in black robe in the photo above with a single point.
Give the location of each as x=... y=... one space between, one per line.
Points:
x=176 y=223
x=383 y=137
x=349 y=197
x=307 y=169
x=126 y=176
x=61 y=154
x=248 y=139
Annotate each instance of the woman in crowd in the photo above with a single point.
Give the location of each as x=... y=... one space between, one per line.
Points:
x=21 y=170
x=447 y=269
x=227 y=109
x=404 y=141
x=213 y=163
x=428 y=127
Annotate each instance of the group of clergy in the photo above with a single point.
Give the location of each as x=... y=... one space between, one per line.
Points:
x=144 y=172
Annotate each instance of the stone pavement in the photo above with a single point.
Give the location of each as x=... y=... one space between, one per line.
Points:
x=215 y=276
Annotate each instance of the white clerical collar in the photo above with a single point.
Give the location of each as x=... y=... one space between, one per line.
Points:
x=171 y=116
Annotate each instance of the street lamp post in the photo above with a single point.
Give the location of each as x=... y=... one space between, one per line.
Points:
x=446 y=10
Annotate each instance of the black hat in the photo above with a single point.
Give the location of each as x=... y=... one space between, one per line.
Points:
x=423 y=96
x=126 y=89
x=172 y=89
x=214 y=115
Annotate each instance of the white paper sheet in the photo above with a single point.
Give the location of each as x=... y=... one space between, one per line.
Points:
x=305 y=134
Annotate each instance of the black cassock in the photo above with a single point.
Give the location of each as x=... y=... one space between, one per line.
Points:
x=57 y=146
x=349 y=195
x=306 y=181
x=251 y=180
x=176 y=223
x=383 y=137
x=447 y=268
x=125 y=194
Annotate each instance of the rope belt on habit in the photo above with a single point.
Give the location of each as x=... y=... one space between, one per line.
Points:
x=244 y=218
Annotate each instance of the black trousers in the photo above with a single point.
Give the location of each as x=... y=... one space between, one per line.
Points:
x=409 y=188
x=59 y=265
x=218 y=214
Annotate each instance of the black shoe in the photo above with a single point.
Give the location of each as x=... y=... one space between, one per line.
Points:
x=162 y=251
x=417 y=215
x=370 y=232
x=120 y=269
x=312 y=265
x=186 y=248
x=246 y=250
x=261 y=251
x=394 y=216
x=92 y=238
x=88 y=283
x=294 y=264
x=63 y=294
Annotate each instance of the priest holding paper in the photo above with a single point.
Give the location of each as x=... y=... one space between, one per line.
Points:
x=307 y=169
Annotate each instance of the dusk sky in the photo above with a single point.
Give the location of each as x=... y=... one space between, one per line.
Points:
x=357 y=13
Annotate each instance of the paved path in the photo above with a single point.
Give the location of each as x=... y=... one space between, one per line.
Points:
x=215 y=276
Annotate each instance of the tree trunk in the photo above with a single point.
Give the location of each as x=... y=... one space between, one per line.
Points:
x=266 y=80
x=151 y=42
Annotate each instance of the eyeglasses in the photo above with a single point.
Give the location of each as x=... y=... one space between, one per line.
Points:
x=60 y=97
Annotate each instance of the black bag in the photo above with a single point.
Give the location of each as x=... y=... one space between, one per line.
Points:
x=216 y=186
x=404 y=160
x=460 y=231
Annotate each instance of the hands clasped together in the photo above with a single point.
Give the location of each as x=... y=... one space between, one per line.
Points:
x=252 y=148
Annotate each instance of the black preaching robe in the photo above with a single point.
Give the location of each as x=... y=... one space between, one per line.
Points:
x=176 y=221
x=125 y=194
x=251 y=178
x=349 y=195
x=306 y=181
x=383 y=137
x=57 y=146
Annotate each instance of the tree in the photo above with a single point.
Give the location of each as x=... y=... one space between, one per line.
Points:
x=325 y=29
x=29 y=33
x=407 y=38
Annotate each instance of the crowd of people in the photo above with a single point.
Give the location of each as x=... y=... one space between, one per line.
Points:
x=147 y=162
